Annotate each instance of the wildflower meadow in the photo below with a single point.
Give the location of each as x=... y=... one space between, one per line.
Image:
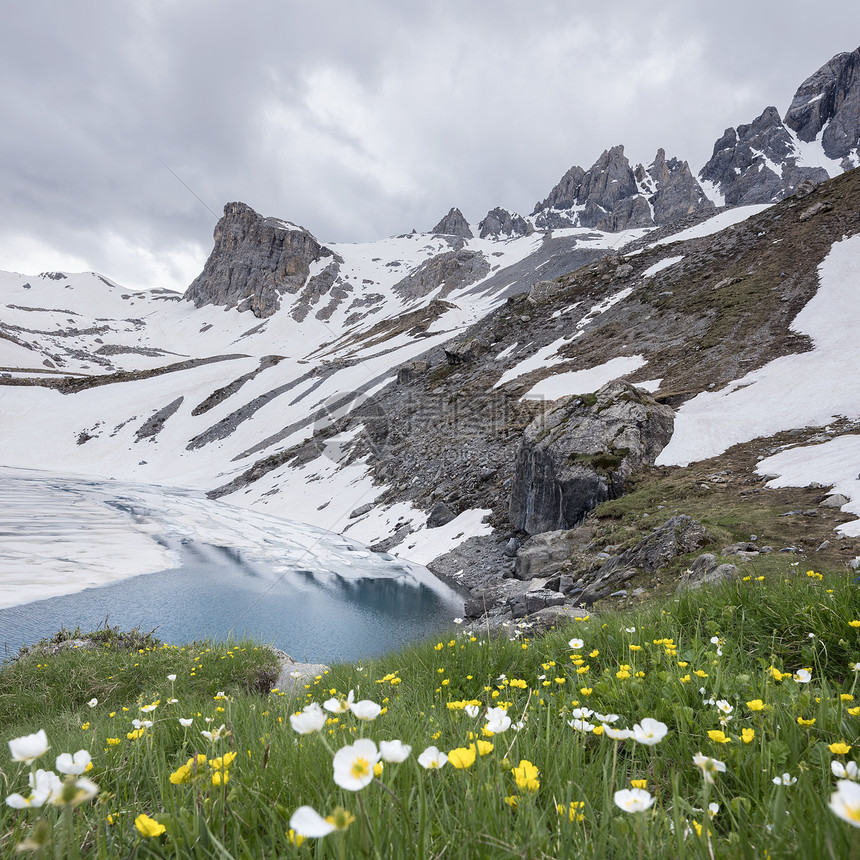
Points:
x=717 y=723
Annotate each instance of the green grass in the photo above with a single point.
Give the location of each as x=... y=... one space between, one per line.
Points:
x=463 y=813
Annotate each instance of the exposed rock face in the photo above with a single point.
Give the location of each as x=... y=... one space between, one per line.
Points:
x=454 y=224
x=254 y=261
x=500 y=222
x=612 y=196
x=449 y=271
x=830 y=100
x=676 y=191
x=579 y=454
x=757 y=163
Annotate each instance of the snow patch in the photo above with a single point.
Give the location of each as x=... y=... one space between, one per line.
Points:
x=423 y=546
x=663 y=264
x=584 y=381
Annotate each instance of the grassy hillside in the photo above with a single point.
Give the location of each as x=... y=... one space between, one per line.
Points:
x=758 y=677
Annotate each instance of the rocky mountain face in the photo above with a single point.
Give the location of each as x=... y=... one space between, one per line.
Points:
x=613 y=196
x=454 y=224
x=500 y=223
x=766 y=160
x=254 y=261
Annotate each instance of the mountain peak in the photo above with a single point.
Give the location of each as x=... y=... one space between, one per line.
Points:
x=454 y=224
x=254 y=260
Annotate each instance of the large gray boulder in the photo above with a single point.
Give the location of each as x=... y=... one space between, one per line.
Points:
x=254 y=261
x=581 y=452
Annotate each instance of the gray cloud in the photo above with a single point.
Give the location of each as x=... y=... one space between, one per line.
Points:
x=357 y=120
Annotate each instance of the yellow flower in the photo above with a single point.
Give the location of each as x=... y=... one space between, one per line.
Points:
x=220 y=777
x=377 y=769
x=149 y=827
x=85 y=726
x=594 y=653
x=718 y=736
x=847 y=697
x=685 y=679
x=700 y=673
x=597 y=730
x=639 y=783
x=582 y=670
x=113 y=741
x=635 y=647
x=854 y=623
x=756 y=705
x=484 y=747
x=573 y=811
x=747 y=735
x=839 y=748
x=295 y=838
x=518 y=682
x=683 y=664
x=180 y=775
x=802 y=722
x=560 y=680
x=855 y=712
x=137 y=733
x=526 y=775
x=512 y=801
x=622 y=675
x=462 y=757
x=586 y=691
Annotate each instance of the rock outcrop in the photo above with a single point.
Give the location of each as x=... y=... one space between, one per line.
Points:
x=675 y=191
x=612 y=196
x=500 y=223
x=449 y=271
x=454 y=224
x=764 y=161
x=757 y=163
x=254 y=261
x=829 y=101
x=580 y=453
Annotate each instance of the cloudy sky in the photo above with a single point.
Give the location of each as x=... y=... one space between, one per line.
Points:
x=126 y=126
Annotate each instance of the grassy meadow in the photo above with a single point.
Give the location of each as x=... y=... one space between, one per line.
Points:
x=721 y=723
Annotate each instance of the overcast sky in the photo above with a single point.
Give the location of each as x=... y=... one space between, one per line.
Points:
x=356 y=118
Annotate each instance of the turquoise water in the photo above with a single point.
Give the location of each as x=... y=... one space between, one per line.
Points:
x=317 y=595
x=215 y=593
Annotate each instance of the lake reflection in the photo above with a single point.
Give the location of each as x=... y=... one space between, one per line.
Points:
x=316 y=595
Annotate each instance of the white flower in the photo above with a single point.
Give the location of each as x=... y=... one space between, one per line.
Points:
x=311 y=719
x=353 y=765
x=845 y=801
x=63 y=796
x=649 y=731
x=518 y=726
x=472 y=710
x=76 y=764
x=148 y=709
x=581 y=725
x=171 y=678
x=172 y=701
x=724 y=707
x=365 y=710
x=803 y=676
x=630 y=629
x=432 y=759
x=715 y=640
x=576 y=644
x=582 y=713
x=216 y=734
x=142 y=724
x=713 y=809
x=841 y=771
x=43 y=783
x=29 y=747
x=633 y=799
x=338 y=706
x=708 y=766
x=606 y=718
x=458 y=620
x=394 y=751
x=295 y=674
x=92 y=702
x=785 y=779
x=617 y=734
x=309 y=823
x=185 y=723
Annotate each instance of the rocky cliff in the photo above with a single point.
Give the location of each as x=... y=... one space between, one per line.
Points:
x=767 y=159
x=613 y=196
x=254 y=261
x=454 y=224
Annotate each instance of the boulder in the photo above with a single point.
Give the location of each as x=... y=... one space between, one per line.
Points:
x=834 y=500
x=677 y=536
x=542 y=555
x=705 y=571
x=464 y=351
x=580 y=453
x=440 y=515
